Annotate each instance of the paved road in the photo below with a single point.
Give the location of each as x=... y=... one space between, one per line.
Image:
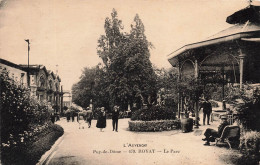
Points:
x=91 y=147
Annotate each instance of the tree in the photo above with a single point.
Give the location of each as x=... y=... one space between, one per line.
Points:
x=138 y=67
x=82 y=91
x=100 y=90
x=126 y=58
x=92 y=85
x=166 y=85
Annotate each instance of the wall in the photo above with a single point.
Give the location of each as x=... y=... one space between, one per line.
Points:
x=15 y=73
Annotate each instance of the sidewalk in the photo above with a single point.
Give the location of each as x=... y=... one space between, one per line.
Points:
x=90 y=146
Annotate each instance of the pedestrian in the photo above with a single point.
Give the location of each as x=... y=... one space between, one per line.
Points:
x=80 y=119
x=207 y=109
x=58 y=116
x=211 y=134
x=101 y=122
x=72 y=114
x=115 y=115
x=68 y=115
x=52 y=117
x=89 y=117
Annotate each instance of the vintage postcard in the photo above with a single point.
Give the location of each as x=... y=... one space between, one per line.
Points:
x=134 y=82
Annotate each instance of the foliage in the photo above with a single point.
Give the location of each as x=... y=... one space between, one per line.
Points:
x=82 y=91
x=249 y=114
x=126 y=75
x=126 y=58
x=31 y=152
x=247 y=105
x=155 y=112
x=190 y=91
x=191 y=88
x=166 y=78
x=150 y=126
x=100 y=91
x=166 y=84
x=93 y=85
x=22 y=116
x=250 y=145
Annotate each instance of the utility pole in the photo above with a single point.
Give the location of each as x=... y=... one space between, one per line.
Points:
x=28 y=69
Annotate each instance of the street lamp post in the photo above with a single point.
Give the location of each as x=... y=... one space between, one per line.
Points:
x=28 y=76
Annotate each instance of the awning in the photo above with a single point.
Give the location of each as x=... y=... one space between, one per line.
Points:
x=251 y=39
x=172 y=58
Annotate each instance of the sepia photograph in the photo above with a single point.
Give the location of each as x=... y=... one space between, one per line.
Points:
x=130 y=82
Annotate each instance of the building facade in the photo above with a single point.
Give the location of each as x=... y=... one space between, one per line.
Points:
x=44 y=84
x=16 y=72
x=67 y=99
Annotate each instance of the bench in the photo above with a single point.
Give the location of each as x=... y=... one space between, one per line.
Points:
x=215 y=115
x=230 y=134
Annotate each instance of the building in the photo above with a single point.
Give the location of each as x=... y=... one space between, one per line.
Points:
x=231 y=56
x=67 y=99
x=44 y=84
x=231 y=52
x=16 y=72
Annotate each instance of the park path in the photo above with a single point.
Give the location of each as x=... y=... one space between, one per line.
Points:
x=91 y=147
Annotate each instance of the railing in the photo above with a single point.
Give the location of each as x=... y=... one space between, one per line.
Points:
x=230 y=119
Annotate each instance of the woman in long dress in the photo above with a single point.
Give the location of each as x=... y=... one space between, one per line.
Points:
x=101 y=122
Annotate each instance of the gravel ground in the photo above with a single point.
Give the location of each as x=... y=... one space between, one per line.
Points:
x=92 y=147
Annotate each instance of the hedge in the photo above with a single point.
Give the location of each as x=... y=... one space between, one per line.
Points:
x=154 y=126
x=23 y=119
x=155 y=112
x=31 y=152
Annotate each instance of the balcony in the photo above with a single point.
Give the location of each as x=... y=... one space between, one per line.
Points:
x=41 y=88
x=49 y=91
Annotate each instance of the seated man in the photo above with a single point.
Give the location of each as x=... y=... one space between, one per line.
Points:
x=211 y=134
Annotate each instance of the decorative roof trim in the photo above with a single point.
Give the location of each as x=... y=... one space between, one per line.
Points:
x=50 y=73
x=172 y=56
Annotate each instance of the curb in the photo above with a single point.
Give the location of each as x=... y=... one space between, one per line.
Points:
x=48 y=154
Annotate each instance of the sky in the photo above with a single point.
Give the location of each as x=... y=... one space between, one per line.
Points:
x=65 y=32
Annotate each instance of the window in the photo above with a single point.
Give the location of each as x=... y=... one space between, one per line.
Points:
x=42 y=82
x=57 y=87
x=32 y=79
x=50 y=98
x=41 y=97
x=50 y=84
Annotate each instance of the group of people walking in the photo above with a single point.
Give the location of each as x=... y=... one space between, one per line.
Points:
x=87 y=116
x=101 y=121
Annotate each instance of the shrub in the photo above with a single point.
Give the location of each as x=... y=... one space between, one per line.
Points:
x=31 y=152
x=153 y=126
x=250 y=145
x=22 y=117
x=247 y=107
x=155 y=112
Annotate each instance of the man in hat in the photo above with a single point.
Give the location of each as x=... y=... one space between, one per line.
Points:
x=211 y=134
x=207 y=109
x=115 y=115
